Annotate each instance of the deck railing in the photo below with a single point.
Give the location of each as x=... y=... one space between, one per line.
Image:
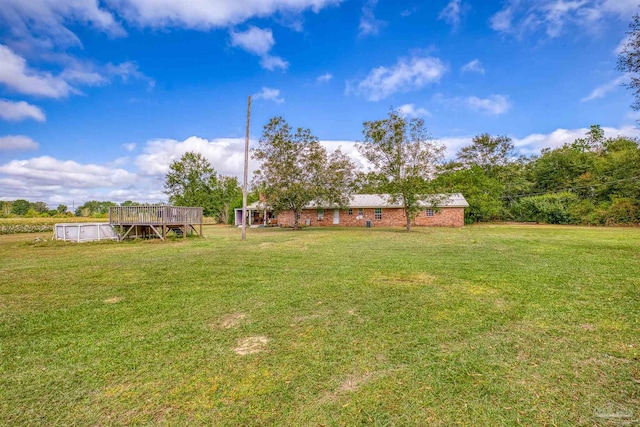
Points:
x=154 y=215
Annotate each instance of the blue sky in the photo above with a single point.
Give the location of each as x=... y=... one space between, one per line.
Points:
x=97 y=97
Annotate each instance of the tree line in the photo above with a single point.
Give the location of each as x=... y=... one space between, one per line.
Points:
x=27 y=209
x=593 y=180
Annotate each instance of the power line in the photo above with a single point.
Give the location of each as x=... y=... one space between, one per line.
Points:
x=633 y=178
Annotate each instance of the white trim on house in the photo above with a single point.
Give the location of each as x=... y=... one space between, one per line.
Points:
x=370 y=201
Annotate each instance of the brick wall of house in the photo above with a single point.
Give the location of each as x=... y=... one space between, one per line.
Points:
x=391 y=217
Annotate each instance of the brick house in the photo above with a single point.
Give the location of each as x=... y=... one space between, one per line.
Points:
x=373 y=210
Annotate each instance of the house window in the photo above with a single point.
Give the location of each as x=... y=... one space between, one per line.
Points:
x=320 y=214
x=299 y=215
x=360 y=211
x=429 y=212
x=350 y=211
x=377 y=213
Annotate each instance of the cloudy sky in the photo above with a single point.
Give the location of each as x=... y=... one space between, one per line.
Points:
x=97 y=97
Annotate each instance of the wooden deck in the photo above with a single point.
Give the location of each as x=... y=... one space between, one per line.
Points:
x=149 y=221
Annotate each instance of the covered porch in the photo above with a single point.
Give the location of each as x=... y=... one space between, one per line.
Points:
x=258 y=215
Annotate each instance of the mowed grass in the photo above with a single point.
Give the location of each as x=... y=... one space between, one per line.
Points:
x=480 y=326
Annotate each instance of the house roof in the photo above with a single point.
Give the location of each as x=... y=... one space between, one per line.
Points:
x=456 y=200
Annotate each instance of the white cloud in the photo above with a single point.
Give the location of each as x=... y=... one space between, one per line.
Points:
x=259 y=42
x=454 y=144
x=474 y=66
x=49 y=171
x=501 y=21
x=494 y=105
x=17 y=142
x=19 y=77
x=532 y=144
x=369 y=25
x=45 y=22
x=269 y=94
x=272 y=62
x=129 y=147
x=519 y=17
x=207 y=14
x=126 y=71
x=90 y=74
x=324 y=78
x=21 y=110
x=410 y=110
x=16 y=74
x=408 y=74
x=452 y=13
x=62 y=181
x=623 y=43
x=226 y=155
x=254 y=40
x=604 y=89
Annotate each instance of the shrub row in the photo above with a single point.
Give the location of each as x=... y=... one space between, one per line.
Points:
x=25 y=228
x=567 y=208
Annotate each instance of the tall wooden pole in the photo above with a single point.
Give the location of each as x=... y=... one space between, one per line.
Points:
x=246 y=173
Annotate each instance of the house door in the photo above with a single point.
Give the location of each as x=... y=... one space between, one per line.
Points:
x=336 y=216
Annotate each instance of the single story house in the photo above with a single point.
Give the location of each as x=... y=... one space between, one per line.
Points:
x=364 y=210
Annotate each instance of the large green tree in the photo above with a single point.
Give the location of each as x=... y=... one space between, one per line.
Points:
x=296 y=170
x=20 y=207
x=488 y=152
x=226 y=193
x=403 y=160
x=94 y=208
x=629 y=59
x=190 y=182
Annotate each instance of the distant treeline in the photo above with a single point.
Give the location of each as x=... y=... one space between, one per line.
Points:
x=26 y=209
x=591 y=181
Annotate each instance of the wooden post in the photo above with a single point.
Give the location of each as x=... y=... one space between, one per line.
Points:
x=246 y=173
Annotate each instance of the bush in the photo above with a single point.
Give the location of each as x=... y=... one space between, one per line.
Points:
x=548 y=208
x=622 y=211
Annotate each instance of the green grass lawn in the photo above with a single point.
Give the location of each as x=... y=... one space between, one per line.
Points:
x=480 y=326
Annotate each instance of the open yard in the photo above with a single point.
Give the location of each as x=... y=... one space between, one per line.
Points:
x=480 y=326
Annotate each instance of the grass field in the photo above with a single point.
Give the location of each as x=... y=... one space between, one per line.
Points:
x=480 y=326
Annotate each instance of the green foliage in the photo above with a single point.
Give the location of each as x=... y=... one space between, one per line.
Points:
x=20 y=207
x=595 y=170
x=94 y=208
x=190 y=182
x=6 y=208
x=549 y=208
x=226 y=193
x=487 y=152
x=404 y=160
x=482 y=192
x=622 y=211
x=629 y=59
x=296 y=170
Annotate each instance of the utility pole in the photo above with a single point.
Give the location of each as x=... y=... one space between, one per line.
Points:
x=246 y=173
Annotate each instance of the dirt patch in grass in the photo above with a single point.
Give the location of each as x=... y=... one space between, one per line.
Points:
x=232 y=320
x=113 y=300
x=251 y=345
x=417 y=279
x=351 y=384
